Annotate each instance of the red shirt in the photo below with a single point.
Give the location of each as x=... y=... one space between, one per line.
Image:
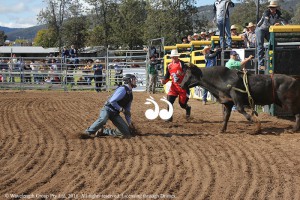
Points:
x=175 y=69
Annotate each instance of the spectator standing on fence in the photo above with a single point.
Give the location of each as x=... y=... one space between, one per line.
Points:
x=11 y=67
x=176 y=69
x=210 y=60
x=119 y=102
x=189 y=38
x=184 y=40
x=87 y=70
x=27 y=73
x=3 y=76
x=74 y=55
x=243 y=36
x=118 y=73
x=34 y=68
x=250 y=36
x=20 y=67
x=98 y=75
x=209 y=35
x=65 y=53
x=202 y=36
x=53 y=64
x=221 y=10
x=73 y=51
x=195 y=37
x=270 y=17
x=233 y=30
x=152 y=71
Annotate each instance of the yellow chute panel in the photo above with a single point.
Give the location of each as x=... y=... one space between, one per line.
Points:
x=198 y=59
x=167 y=49
x=285 y=29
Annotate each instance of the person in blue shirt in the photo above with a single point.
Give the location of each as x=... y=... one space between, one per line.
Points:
x=65 y=53
x=119 y=102
x=210 y=60
x=98 y=75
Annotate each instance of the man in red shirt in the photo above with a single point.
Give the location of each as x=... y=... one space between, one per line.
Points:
x=176 y=69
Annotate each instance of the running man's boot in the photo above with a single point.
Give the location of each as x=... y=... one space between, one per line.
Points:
x=188 y=112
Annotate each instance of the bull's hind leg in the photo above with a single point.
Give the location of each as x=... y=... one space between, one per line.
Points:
x=226 y=114
x=251 y=118
x=297 y=125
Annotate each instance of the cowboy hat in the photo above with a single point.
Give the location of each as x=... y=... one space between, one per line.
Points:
x=196 y=34
x=273 y=4
x=174 y=53
x=250 y=25
x=233 y=27
x=203 y=33
x=206 y=47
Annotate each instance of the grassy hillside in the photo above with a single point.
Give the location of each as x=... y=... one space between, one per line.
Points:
x=23 y=33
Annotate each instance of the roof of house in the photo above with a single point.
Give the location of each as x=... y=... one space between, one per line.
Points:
x=27 y=49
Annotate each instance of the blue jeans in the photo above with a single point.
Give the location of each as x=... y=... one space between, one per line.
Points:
x=261 y=35
x=117 y=120
x=220 y=23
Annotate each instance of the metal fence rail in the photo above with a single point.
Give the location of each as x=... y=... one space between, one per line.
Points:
x=56 y=73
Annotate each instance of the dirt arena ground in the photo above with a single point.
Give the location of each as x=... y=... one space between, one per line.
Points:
x=42 y=156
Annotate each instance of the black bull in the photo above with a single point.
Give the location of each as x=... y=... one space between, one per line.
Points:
x=222 y=82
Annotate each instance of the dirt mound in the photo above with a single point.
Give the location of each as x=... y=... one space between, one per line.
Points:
x=41 y=153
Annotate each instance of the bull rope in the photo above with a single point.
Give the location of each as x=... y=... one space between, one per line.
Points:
x=250 y=99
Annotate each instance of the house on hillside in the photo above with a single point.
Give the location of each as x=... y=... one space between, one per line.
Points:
x=27 y=51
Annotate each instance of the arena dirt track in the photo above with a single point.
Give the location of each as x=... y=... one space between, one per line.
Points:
x=42 y=154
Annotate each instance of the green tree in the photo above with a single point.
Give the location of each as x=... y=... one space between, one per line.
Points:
x=3 y=37
x=296 y=18
x=95 y=37
x=248 y=9
x=154 y=22
x=127 y=24
x=101 y=17
x=54 y=16
x=75 y=27
x=170 y=19
x=45 y=38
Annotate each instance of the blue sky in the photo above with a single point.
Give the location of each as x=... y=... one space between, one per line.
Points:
x=23 y=13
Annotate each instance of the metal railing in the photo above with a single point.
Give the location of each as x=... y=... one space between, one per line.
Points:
x=56 y=73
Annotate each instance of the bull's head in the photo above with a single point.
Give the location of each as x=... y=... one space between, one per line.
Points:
x=192 y=77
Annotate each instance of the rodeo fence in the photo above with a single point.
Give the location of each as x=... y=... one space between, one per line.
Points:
x=80 y=73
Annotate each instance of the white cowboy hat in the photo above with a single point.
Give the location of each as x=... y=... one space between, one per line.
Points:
x=250 y=24
x=203 y=33
x=174 y=53
x=233 y=27
x=273 y=4
x=196 y=34
x=206 y=47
